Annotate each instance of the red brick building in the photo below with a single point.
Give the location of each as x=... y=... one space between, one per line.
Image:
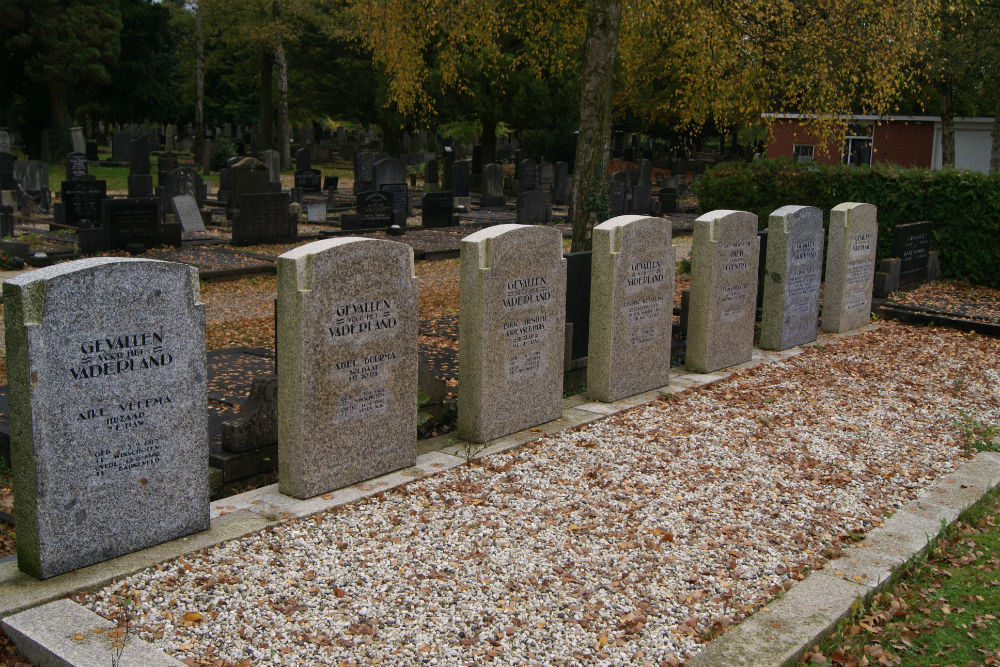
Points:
x=909 y=141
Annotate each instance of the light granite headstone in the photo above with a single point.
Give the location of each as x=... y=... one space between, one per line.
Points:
x=631 y=307
x=188 y=213
x=106 y=365
x=723 y=302
x=850 y=267
x=347 y=379
x=793 y=270
x=512 y=296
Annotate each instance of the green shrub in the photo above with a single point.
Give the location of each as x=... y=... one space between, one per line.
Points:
x=964 y=206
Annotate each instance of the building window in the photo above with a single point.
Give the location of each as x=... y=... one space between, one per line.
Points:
x=803 y=152
x=858 y=144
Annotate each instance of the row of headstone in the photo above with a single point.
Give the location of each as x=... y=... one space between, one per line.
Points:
x=724 y=274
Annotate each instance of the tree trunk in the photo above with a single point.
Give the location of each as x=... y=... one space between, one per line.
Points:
x=284 y=150
x=995 y=152
x=489 y=141
x=266 y=100
x=59 y=99
x=199 y=94
x=590 y=203
x=947 y=123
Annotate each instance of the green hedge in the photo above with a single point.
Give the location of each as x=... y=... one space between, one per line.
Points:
x=964 y=206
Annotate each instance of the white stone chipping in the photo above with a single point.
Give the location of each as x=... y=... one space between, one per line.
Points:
x=628 y=541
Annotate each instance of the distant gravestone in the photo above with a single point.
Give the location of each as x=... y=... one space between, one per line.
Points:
x=76 y=139
x=76 y=166
x=303 y=159
x=641 y=199
x=7 y=172
x=400 y=195
x=460 y=178
x=106 y=365
x=165 y=164
x=264 y=216
x=493 y=186
x=618 y=193
x=188 y=213
x=560 y=184
x=140 y=185
x=911 y=243
x=33 y=175
x=245 y=178
x=436 y=209
x=533 y=208
x=389 y=170
x=184 y=181
x=722 y=306
x=131 y=221
x=347 y=381
x=4 y=141
x=430 y=176
x=272 y=160
x=850 y=267
x=316 y=213
x=120 y=146
x=512 y=330
x=364 y=171
x=645 y=171
x=527 y=174
x=138 y=157
x=546 y=176
x=374 y=210
x=631 y=307
x=82 y=201
x=793 y=270
x=310 y=180
x=668 y=200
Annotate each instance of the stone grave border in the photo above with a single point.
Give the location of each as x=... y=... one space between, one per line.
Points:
x=776 y=634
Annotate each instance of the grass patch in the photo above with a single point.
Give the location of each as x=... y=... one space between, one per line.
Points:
x=942 y=610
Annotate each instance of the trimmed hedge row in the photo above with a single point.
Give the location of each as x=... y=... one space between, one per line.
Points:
x=964 y=206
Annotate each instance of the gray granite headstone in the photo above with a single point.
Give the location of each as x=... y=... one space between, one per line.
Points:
x=527 y=175
x=4 y=141
x=188 y=213
x=33 y=175
x=347 y=381
x=631 y=307
x=618 y=193
x=77 y=140
x=316 y=213
x=512 y=300
x=493 y=186
x=106 y=365
x=389 y=170
x=850 y=267
x=723 y=304
x=271 y=159
x=793 y=270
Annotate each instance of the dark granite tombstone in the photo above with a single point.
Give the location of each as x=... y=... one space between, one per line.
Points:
x=618 y=193
x=578 y=300
x=364 y=171
x=140 y=185
x=263 y=217
x=131 y=222
x=82 y=201
x=437 y=209
x=560 y=184
x=6 y=220
x=533 y=208
x=330 y=182
x=167 y=163
x=527 y=175
x=120 y=146
x=431 y=172
x=138 y=157
x=645 y=172
x=7 y=172
x=389 y=170
x=310 y=180
x=184 y=181
x=76 y=166
x=91 y=151
x=374 y=211
x=303 y=159
x=477 y=162
x=400 y=201
x=460 y=178
x=641 y=199
x=911 y=244
x=668 y=200
x=244 y=180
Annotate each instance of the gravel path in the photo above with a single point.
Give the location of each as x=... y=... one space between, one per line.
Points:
x=628 y=541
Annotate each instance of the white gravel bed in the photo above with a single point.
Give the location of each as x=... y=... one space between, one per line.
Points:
x=630 y=541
